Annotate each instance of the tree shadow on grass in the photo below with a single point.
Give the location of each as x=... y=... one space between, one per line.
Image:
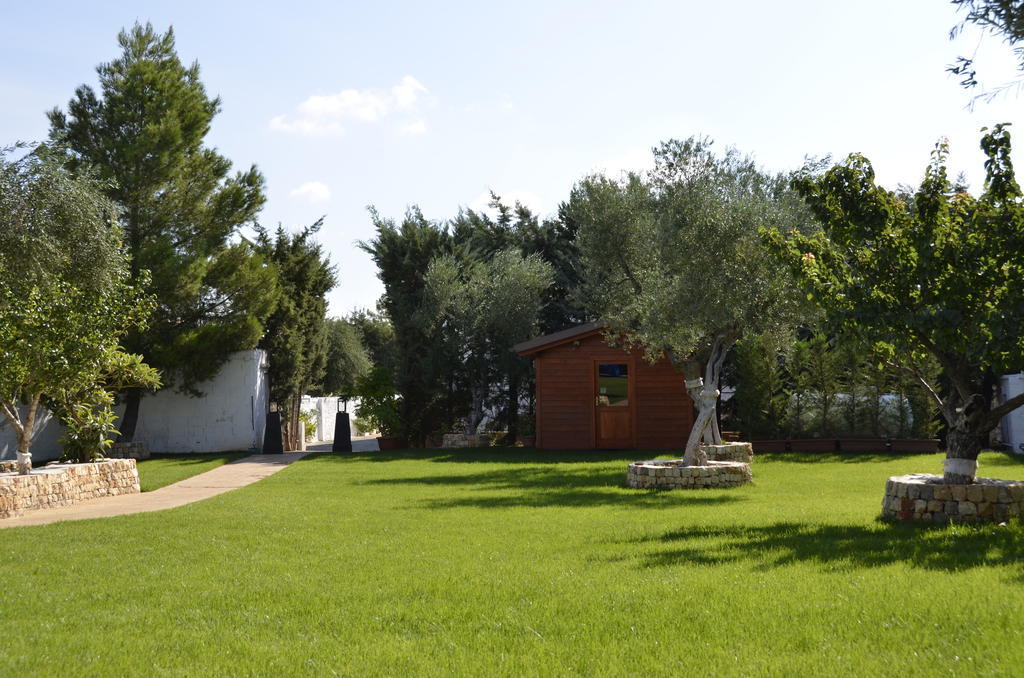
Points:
x=505 y=455
x=844 y=547
x=835 y=457
x=540 y=486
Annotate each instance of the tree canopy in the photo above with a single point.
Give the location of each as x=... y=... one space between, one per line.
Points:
x=996 y=17
x=296 y=337
x=66 y=298
x=402 y=253
x=940 y=275
x=486 y=305
x=346 y=360
x=672 y=262
x=142 y=134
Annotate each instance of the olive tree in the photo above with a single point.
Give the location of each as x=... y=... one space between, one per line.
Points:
x=486 y=305
x=65 y=295
x=673 y=264
x=939 y=275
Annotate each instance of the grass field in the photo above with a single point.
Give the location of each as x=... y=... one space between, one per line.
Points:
x=163 y=469
x=520 y=563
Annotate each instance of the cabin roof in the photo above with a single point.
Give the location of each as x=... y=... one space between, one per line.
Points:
x=547 y=341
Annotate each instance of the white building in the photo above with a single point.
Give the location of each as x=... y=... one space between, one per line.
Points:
x=1012 y=425
x=230 y=415
x=325 y=411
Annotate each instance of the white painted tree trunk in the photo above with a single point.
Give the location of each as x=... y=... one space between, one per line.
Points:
x=23 y=430
x=704 y=392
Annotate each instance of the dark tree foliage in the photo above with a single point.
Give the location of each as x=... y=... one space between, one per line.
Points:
x=997 y=17
x=402 y=254
x=296 y=336
x=427 y=359
x=484 y=305
x=142 y=134
x=346 y=361
x=479 y=237
x=377 y=336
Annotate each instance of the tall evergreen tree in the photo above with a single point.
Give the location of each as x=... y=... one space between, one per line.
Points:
x=143 y=132
x=402 y=254
x=296 y=337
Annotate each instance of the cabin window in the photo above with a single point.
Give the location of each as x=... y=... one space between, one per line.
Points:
x=613 y=385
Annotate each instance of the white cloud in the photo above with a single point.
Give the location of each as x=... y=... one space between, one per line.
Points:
x=407 y=92
x=416 y=127
x=327 y=114
x=314 y=191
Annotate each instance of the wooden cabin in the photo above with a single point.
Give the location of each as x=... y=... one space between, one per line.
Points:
x=590 y=395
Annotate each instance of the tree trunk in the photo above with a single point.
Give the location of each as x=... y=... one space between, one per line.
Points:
x=705 y=394
x=967 y=430
x=133 y=397
x=961 y=464
x=295 y=409
x=513 y=404
x=23 y=431
x=476 y=410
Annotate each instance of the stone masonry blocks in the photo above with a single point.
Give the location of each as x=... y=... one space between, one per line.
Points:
x=730 y=452
x=923 y=497
x=63 y=484
x=671 y=474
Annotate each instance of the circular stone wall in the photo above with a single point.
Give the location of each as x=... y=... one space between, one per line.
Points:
x=924 y=497
x=730 y=452
x=672 y=474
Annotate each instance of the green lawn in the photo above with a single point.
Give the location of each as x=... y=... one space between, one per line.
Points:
x=164 y=469
x=520 y=563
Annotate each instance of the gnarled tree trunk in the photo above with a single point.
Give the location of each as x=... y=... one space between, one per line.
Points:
x=704 y=393
x=969 y=424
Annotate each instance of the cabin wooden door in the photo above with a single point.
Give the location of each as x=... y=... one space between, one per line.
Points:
x=613 y=411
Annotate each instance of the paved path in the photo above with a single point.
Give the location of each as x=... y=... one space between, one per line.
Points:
x=233 y=475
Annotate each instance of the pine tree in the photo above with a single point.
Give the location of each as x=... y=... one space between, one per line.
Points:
x=143 y=134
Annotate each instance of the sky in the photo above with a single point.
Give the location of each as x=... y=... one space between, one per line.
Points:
x=344 y=105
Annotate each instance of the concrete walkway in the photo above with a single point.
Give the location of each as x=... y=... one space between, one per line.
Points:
x=233 y=475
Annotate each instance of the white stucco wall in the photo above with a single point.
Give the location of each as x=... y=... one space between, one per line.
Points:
x=326 y=415
x=45 y=438
x=230 y=415
x=1011 y=385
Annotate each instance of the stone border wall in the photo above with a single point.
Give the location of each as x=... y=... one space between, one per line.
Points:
x=730 y=452
x=63 y=484
x=672 y=474
x=923 y=497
